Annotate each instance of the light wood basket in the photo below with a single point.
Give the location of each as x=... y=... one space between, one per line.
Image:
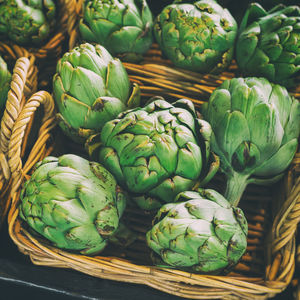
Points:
x=267 y=267
x=48 y=53
x=273 y=213
x=23 y=84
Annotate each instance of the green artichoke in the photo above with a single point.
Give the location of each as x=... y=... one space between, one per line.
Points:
x=255 y=126
x=123 y=27
x=90 y=88
x=157 y=151
x=201 y=233
x=198 y=37
x=74 y=203
x=5 y=79
x=268 y=44
x=26 y=22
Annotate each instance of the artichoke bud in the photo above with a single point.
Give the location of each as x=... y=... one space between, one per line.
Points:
x=78 y=214
x=196 y=35
x=91 y=88
x=157 y=151
x=123 y=27
x=203 y=233
x=255 y=127
x=268 y=43
x=28 y=22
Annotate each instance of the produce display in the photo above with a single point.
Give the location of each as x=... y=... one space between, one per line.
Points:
x=256 y=125
x=197 y=36
x=268 y=44
x=141 y=157
x=200 y=232
x=74 y=203
x=90 y=88
x=5 y=79
x=157 y=151
x=27 y=22
x=123 y=27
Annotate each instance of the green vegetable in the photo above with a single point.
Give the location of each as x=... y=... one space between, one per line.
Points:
x=90 y=88
x=123 y=27
x=201 y=233
x=26 y=22
x=74 y=203
x=5 y=79
x=198 y=36
x=255 y=126
x=269 y=43
x=157 y=151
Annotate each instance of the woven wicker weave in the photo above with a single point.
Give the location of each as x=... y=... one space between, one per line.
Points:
x=273 y=213
x=23 y=84
x=48 y=54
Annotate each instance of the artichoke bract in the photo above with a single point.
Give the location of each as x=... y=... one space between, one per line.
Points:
x=255 y=127
x=198 y=36
x=200 y=232
x=74 y=203
x=27 y=22
x=157 y=151
x=123 y=27
x=5 y=79
x=90 y=88
x=268 y=44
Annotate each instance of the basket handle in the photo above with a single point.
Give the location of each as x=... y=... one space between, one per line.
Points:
x=18 y=135
x=74 y=9
x=15 y=100
x=282 y=256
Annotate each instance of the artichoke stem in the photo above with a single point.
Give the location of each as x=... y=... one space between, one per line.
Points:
x=235 y=187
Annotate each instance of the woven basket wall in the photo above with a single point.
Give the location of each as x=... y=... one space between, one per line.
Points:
x=48 y=53
x=273 y=212
x=23 y=84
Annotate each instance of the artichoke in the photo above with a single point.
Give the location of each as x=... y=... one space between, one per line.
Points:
x=26 y=22
x=201 y=232
x=198 y=36
x=5 y=79
x=255 y=127
x=157 y=151
x=123 y=27
x=90 y=88
x=268 y=44
x=74 y=203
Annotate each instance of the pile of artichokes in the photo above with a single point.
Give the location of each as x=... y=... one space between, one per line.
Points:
x=160 y=156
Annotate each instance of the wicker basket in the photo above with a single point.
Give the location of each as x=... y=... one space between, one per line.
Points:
x=273 y=213
x=48 y=54
x=23 y=84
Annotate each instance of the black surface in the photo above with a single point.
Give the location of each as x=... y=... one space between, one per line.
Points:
x=19 y=277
